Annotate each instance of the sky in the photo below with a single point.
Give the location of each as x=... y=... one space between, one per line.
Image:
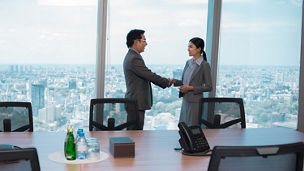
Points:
x=253 y=32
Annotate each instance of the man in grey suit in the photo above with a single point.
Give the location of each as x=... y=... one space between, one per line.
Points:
x=138 y=76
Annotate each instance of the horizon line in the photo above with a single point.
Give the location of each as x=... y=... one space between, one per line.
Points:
x=146 y=64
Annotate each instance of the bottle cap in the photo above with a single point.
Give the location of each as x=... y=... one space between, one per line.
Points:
x=79 y=130
x=70 y=128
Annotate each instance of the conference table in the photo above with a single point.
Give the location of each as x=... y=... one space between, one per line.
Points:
x=154 y=149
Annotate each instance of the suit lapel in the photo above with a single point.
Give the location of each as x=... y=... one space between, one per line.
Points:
x=197 y=68
x=186 y=66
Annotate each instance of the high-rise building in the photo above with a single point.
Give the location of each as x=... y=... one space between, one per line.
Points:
x=42 y=115
x=16 y=68
x=21 y=68
x=51 y=112
x=37 y=96
x=12 y=68
x=72 y=84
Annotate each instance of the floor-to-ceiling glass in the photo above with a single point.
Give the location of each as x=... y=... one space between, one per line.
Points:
x=259 y=59
x=48 y=56
x=169 y=25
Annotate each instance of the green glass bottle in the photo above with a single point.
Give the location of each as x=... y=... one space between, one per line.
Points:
x=69 y=144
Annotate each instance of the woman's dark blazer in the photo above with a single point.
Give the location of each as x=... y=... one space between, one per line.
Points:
x=200 y=80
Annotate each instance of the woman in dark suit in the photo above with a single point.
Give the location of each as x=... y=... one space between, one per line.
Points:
x=196 y=79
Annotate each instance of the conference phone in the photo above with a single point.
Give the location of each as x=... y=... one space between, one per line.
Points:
x=192 y=140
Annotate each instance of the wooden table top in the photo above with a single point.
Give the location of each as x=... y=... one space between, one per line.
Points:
x=154 y=150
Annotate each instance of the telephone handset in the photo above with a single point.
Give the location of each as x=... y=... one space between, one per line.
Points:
x=4 y=147
x=192 y=139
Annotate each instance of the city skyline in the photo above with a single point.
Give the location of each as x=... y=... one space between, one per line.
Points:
x=272 y=91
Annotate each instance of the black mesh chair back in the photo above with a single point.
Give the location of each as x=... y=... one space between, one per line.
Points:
x=222 y=113
x=25 y=159
x=113 y=114
x=16 y=117
x=286 y=157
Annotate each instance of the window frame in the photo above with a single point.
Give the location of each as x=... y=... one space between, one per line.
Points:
x=300 y=126
x=212 y=47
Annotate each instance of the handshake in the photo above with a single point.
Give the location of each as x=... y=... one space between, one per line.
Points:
x=171 y=81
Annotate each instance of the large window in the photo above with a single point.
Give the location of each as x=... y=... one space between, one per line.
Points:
x=48 y=56
x=169 y=26
x=259 y=59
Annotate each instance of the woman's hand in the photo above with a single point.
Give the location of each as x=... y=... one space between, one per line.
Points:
x=185 y=88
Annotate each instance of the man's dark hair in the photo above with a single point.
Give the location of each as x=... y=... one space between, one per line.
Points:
x=134 y=35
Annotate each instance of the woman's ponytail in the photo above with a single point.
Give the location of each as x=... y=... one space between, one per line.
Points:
x=204 y=55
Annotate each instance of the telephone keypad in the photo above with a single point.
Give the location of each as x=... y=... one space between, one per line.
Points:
x=200 y=143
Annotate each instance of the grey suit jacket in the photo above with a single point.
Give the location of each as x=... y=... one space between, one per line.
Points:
x=138 y=80
x=200 y=80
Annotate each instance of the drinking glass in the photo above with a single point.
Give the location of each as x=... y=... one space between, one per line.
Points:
x=93 y=149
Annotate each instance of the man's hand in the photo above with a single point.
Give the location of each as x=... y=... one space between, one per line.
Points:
x=171 y=81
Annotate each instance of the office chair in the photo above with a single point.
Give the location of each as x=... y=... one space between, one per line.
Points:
x=25 y=159
x=113 y=114
x=222 y=113
x=286 y=157
x=16 y=117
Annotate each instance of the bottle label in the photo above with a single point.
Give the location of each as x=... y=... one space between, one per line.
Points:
x=82 y=148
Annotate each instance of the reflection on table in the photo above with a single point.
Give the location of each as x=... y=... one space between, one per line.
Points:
x=154 y=150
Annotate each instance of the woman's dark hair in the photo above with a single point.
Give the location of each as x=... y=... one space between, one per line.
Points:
x=134 y=35
x=199 y=43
